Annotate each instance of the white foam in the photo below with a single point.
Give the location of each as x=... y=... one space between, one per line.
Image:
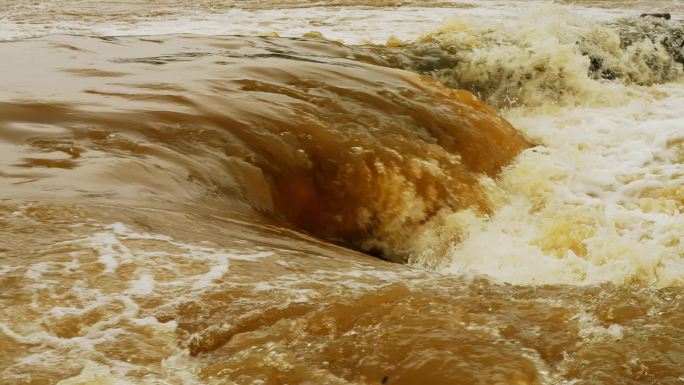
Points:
x=112 y=251
x=600 y=201
x=110 y=246
x=217 y=271
x=143 y=285
x=94 y=373
x=590 y=328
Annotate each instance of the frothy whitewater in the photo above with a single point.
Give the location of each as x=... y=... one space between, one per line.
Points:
x=599 y=200
x=297 y=192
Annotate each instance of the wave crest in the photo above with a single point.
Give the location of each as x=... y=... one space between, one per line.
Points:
x=549 y=57
x=360 y=154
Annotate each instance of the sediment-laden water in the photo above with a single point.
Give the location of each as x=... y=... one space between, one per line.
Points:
x=365 y=193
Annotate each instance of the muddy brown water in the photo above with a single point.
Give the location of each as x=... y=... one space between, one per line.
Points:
x=182 y=209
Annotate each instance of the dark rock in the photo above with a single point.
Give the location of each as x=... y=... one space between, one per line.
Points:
x=664 y=15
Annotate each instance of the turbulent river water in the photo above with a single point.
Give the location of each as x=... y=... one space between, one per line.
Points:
x=341 y=192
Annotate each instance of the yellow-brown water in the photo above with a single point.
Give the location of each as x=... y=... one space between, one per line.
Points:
x=296 y=310
x=294 y=129
x=182 y=209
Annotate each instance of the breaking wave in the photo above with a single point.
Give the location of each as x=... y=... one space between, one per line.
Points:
x=551 y=56
x=356 y=153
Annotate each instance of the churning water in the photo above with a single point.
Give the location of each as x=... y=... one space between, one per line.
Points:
x=341 y=192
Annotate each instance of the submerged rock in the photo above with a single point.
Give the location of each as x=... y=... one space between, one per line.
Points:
x=664 y=15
